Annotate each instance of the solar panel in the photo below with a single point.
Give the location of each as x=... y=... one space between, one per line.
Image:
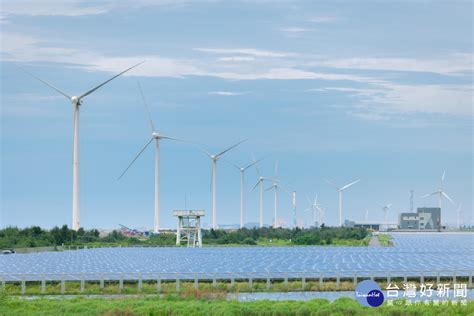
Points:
x=412 y=254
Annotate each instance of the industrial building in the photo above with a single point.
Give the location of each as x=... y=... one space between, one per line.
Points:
x=367 y=225
x=426 y=218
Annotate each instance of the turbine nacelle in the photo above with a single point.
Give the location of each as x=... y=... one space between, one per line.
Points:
x=75 y=100
x=156 y=135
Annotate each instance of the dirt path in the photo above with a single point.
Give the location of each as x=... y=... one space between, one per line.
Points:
x=374 y=242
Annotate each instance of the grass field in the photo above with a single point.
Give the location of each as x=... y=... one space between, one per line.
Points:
x=199 y=305
x=169 y=287
x=385 y=240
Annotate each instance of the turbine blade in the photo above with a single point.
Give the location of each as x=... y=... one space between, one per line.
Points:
x=269 y=188
x=233 y=146
x=175 y=139
x=232 y=164
x=284 y=189
x=256 y=185
x=316 y=200
x=331 y=184
x=253 y=163
x=446 y=196
x=426 y=195
x=147 y=109
x=442 y=177
x=203 y=150
x=48 y=84
x=271 y=179
x=258 y=170
x=350 y=184
x=136 y=157
x=107 y=81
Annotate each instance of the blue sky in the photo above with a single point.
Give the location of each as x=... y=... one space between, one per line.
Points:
x=331 y=89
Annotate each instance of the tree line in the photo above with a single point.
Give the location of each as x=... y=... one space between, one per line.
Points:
x=14 y=237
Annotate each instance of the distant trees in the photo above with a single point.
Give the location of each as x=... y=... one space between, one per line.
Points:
x=297 y=236
x=13 y=237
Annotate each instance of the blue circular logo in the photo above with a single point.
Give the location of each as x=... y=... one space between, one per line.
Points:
x=375 y=298
x=368 y=293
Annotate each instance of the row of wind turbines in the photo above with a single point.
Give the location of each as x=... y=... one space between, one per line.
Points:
x=315 y=207
x=77 y=101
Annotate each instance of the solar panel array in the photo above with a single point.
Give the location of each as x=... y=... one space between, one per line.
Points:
x=412 y=254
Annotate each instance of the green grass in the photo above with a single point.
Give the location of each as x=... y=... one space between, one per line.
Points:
x=73 y=287
x=199 y=305
x=385 y=240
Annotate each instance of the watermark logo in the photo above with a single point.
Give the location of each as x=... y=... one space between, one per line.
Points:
x=368 y=293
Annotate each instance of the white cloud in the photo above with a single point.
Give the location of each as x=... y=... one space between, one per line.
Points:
x=83 y=7
x=245 y=51
x=236 y=58
x=20 y=48
x=388 y=99
x=226 y=93
x=288 y=74
x=50 y=8
x=451 y=64
x=323 y=19
x=379 y=95
x=447 y=99
x=295 y=29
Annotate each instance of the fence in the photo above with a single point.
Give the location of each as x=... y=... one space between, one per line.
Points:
x=231 y=278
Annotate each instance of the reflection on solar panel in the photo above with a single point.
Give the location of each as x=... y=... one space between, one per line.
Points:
x=413 y=253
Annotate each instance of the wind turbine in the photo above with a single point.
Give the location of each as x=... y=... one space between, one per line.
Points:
x=315 y=207
x=214 y=158
x=242 y=179
x=293 y=203
x=156 y=136
x=260 y=183
x=440 y=192
x=276 y=187
x=76 y=103
x=385 y=209
x=341 y=189
x=458 y=213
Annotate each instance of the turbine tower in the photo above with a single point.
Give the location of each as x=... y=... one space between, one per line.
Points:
x=341 y=190
x=440 y=192
x=293 y=201
x=76 y=103
x=156 y=136
x=276 y=187
x=315 y=208
x=260 y=183
x=458 y=214
x=242 y=191
x=214 y=158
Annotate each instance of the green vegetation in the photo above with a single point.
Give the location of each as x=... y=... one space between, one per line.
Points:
x=385 y=240
x=13 y=237
x=269 y=236
x=197 y=303
x=221 y=286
